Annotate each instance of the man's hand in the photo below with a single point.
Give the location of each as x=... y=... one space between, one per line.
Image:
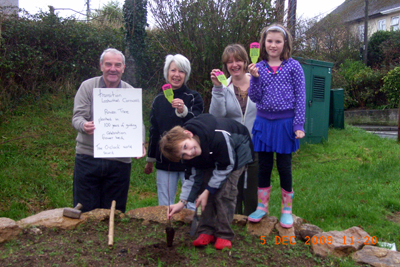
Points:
x=144 y=153
x=88 y=127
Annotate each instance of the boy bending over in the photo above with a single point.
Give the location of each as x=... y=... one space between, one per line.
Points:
x=216 y=152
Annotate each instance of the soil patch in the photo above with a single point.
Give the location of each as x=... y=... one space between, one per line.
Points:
x=395 y=217
x=138 y=244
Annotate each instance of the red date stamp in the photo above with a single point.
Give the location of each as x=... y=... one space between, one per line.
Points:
x=346 y=240
x=284 y=240
x=287 y=240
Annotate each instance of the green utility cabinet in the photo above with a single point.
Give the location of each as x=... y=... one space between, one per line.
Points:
x=318 y=84
x=336 y=114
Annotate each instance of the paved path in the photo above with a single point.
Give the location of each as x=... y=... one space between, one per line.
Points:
x=383 y=131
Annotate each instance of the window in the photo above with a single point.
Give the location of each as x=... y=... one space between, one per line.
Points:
x=394 y=24
x=361 y=32
x=382 y=25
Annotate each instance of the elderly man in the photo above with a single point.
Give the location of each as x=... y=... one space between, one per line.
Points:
x=99 y=181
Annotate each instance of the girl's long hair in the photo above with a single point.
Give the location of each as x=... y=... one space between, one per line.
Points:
x=287 y=47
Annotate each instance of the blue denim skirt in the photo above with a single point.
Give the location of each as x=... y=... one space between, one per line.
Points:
x=274 y=136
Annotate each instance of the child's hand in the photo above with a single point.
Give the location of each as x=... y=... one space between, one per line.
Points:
x=148 y=168
x=175 y=208
x=202 y=199
x=299 y=134
x=253 y=70
x=214 y=78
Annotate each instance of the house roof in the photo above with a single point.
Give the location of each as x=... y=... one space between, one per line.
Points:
x=353 y=10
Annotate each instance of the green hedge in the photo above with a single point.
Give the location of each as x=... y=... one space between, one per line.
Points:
x=362 y=85
x=391 y=87
x=384 y=49
x=38 y=50
x=365 y=87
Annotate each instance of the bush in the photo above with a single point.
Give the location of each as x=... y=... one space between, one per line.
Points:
x=384 y=49
x=375 y=53
x=38 y=50
x=391 y=87
x=391 y=50
x=361 y=85
x=350 y=68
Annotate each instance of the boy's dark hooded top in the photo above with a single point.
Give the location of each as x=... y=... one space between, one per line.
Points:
x=163 y=117
x=225 y=146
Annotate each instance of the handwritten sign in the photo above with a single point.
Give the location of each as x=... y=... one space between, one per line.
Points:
x=117 y=116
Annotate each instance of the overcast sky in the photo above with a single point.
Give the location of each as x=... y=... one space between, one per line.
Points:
x=305 y=8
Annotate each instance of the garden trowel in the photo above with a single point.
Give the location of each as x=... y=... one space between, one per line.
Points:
x=195 y=221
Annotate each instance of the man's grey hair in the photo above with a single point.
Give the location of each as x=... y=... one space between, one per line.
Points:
x=113 y=51
x=181 y=62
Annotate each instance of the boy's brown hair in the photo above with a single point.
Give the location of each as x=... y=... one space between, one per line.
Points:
x=169 y=143
x=287 y=37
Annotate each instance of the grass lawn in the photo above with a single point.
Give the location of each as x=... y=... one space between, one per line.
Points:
x=352 y=179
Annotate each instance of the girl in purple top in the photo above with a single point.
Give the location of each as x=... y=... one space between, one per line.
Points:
x=277 y=86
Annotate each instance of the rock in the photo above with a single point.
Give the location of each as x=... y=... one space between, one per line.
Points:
x=159 y=214
x=287 y=235
x=239 y=220
x=307 y=231
x=376 y=256
x=339 y=243
x=188 y=218
x=8 y=229
x=99 y=215
x=50 y=218
x=359 y=236
x=35 y=231
x=55 y=219
x=183 y=215
x=297 y=222
x=262 y=228
x=146 y=222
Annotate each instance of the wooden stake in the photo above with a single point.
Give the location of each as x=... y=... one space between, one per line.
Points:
x=168 y=220
x=111 y=226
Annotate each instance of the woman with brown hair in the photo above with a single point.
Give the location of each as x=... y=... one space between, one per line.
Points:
x=231 y=101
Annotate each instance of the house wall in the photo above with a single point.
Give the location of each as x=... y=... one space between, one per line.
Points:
x=374 y=22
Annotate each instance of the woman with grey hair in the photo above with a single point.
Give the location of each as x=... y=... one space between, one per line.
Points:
x=164 y=115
